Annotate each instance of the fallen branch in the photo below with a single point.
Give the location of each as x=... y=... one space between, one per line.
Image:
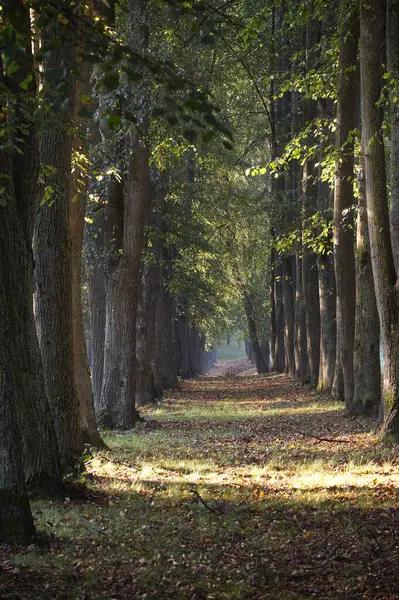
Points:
x=320 y=439
x=193 y=491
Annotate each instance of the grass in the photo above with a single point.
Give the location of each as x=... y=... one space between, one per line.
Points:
x=223 y=494
x=231 y=352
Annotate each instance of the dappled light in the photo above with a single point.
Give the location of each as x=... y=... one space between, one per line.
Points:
x=244 y=495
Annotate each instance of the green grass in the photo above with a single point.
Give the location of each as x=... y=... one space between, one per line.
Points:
x=231 y=352
x=280 y=506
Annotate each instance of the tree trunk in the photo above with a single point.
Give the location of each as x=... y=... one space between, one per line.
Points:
x=289 y=286
x=39 y=447
x=119 y=381
x=148 y=390
x=273 y=309
x=183 y=339
x=393 y=69
x=300 y=340
x=328 y=322
x=256 y=351
x=16 y=523
x=97 y=304
x=310 y=285
x=382 y=259
x=165 y=344
x=366 y=354
x=338 y=383
x=53 y=261
x=77 y=211
x=88 y=422
x=344 y=196
x=279 y=297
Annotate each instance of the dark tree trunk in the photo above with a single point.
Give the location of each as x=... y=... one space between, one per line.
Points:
x=300 y=340
x=119 y=380
x=328 y=322
x=16 y=523
x=393 y=68
x=256 y=350
x=53 y=261
x=148 y=390
x=113 y=243
x=183 y=339
x=289 y=287
x=97 y=305
x=310 y=285
x=344 y=197
x=20 y=170
x=77 y=211
x=165 y=347
x=273 y=309
x=366 y=355
x=279 y=296
x=382 y=259
x=338 y=383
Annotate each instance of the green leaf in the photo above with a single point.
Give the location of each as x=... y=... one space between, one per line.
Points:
x=13 y=68
x=55 y=74
x=25 y=83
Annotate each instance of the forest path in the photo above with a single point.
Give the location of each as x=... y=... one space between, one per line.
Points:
x=235 y=487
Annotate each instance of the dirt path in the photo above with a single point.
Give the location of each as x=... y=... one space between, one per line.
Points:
x=239 y=366
x=235 y=488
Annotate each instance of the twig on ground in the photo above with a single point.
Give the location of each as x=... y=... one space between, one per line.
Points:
x=320 y=439
x=196 y=493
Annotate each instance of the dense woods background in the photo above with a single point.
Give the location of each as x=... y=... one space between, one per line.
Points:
x=174 y=173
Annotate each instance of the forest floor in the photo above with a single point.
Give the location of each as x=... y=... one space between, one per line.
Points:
x=236 y=487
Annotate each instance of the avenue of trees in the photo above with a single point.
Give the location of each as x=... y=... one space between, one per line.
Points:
x=172 y=172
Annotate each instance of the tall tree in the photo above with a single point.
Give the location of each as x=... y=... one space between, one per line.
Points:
x=392 y=44
x=310 y=286
x=20 y=167
x=372 y=37
x=118 y=393
x=52 y=241
x=366 y=352
x=344 y=195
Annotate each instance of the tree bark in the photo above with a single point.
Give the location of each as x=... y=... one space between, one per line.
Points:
x=328 y=323
x=279 y=299
x=77 y=211
x=53 y=259
x=310 y=284
x=392 y=40
x=148 y=390
x=366 y=354
x=300 y=340
x=16 y=522
x=165 y=343
x=385 y=279
x=119 y=380
x=256 y=350
x=183 y=339
x=273 y=329
x=97 y=302
x=344 y=197
x=39 y=447
x=289 y=286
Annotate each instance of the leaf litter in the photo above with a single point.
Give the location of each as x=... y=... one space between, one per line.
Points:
x=237 y=486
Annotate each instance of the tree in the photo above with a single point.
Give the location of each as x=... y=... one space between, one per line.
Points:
x=344 y=197
x=372 y=19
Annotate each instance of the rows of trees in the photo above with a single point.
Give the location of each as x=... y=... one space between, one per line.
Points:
x=169 y=173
